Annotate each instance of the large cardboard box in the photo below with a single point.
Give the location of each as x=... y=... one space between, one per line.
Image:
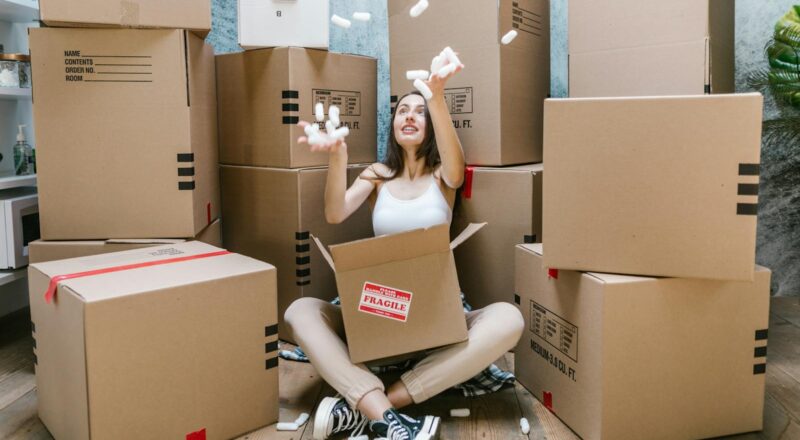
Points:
x=650 y=47
x=509 y=199
x=622 y=357
x=270 y=214
x=177 y=14
x=496 y=101
x=283 y=23
x=41 y=251
x=181 y=345
x=402 y=287
x=124 y=151
x=653 y=186
x=264 y=93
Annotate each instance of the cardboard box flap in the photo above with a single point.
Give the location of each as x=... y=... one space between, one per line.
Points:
x=394 y=247
x=324 y=252
x=468 y=232
x=144 y=241
x=183 y=263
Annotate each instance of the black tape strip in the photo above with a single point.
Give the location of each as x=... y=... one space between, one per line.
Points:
x=302 y=247
x=270 y=346
x=707 y=89
x=35 y=359
x=760 y=352
x=302 y=260
x=185 y=186
x=393 y=99
x=186 y=171
x=271 y=330
x=33 y=327
x=287 y=94
x=305 y=235
x=529 y=238
x=303 y=283
x=748 y=189
x=747 y=208
x=290 y=107
x=759 y=368
x=272 y=363
x=289 y=120
x=516 y=298
x=185 y=157
x=749 y=169
x=303 y=272
x=761 y=334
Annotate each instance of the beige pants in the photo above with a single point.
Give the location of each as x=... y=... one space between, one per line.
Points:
x=317 y=327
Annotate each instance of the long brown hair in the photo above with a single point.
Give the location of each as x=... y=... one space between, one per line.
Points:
x=395 y=157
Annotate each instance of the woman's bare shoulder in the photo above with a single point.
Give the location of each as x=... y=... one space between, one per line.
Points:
x=376 y=171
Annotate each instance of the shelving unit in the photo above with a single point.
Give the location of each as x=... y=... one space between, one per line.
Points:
x=14 y=93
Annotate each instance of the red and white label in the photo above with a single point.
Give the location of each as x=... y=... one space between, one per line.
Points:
x=385 y=301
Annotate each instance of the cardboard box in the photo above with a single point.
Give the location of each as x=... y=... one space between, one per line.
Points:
x=176 y=14
x=510 y=201
x=41 y=251
x=622 y=357
x=401 y=284
x=264 y=93
x=270 y=214
x=161 y=351
x=635 y=47
x=662 y=186
x=496 y=101
x=129 y=155
x=283 y=23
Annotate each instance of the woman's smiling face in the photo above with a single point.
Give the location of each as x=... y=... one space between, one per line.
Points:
x=409 y=121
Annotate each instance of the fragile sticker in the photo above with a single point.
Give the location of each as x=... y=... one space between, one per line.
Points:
x=385 y=301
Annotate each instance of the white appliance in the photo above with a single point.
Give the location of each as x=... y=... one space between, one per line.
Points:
x=273 y=23
x=19 y=220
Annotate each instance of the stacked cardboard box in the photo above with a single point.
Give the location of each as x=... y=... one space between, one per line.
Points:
x=126 y=124
x=650 y=47
x=273 y=186
x=649 y=187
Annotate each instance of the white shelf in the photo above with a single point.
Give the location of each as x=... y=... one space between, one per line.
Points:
x=7 y=276
x=17 y=181
x=19 y=10
x=14 y=92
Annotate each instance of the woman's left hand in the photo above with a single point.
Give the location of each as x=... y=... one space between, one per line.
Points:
x=437 y=83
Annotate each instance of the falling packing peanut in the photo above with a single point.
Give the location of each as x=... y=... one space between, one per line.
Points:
x=423 y=88
x=362 y=16
x=417 y=74
x=339 y=133
x=459 y=412
x=319 y=112
x=341 y=22
x=524 y=426
x=451 y=56
x=508 y=37
x=447 y=70
x=333 y=115
x=437 y=63
x=419 y=8
x=286 y=426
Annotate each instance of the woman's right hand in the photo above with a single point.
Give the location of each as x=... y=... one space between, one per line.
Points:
x=328 y=144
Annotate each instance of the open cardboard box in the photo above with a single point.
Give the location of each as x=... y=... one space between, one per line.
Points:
x=399 y=292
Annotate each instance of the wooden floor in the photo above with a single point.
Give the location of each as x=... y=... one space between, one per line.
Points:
x=495 y=416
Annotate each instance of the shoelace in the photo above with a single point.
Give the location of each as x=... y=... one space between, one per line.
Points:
x=349 y=419
x=397 y=431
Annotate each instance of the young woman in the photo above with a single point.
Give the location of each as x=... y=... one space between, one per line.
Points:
x=414 y=187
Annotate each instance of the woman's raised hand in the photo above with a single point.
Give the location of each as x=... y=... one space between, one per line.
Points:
x=436 y=83
x=321 y=141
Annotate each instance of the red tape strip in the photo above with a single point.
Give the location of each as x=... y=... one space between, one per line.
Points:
x=468 y=182
x=51 y=288
x=547 y=400
x=552 y=273
x=208 y=212
x=197 y=435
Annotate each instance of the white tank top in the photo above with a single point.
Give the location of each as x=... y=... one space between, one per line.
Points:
x=392 y=215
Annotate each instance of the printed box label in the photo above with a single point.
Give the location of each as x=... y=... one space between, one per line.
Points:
x=385 y=301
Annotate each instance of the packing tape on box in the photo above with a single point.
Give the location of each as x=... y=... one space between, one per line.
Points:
x=51 y=288
x=468 y=172
x=547 y=400
x=197 y=435
x=552 y=273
